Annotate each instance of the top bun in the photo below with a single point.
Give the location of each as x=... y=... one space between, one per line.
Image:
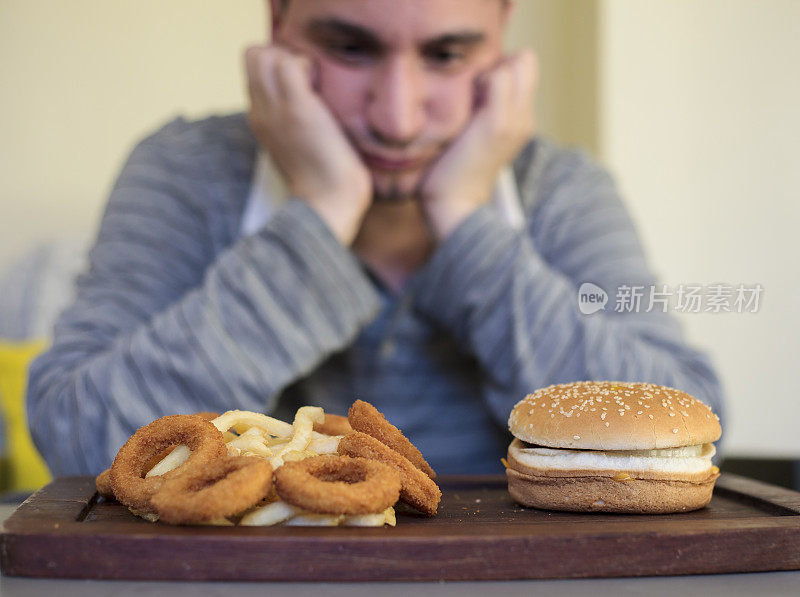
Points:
x=612 y=415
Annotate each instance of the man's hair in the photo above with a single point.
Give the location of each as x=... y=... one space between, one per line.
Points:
x=285 y=2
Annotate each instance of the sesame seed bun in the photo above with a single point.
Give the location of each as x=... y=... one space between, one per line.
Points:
x=607 y=415
x=612 y=447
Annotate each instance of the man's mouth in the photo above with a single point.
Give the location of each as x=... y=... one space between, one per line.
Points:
x=392 y=164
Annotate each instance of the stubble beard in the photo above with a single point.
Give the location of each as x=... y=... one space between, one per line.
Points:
x=394 y=189
x=393 y=195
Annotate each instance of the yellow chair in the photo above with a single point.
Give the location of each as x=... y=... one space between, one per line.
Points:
x=25 y=469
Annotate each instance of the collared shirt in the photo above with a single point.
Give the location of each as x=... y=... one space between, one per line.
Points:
x=268 y=193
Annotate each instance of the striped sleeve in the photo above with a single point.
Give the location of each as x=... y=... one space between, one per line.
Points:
x=510 y=297
x=161 y=325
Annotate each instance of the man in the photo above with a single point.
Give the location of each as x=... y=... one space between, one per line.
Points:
x=425 y=257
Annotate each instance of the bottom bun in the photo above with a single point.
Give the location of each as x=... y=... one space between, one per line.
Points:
x=606 y=494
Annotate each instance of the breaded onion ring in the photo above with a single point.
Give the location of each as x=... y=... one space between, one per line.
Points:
x=223 y=487
x=159 y=456
x=333 y=425
x=130 y=466
x=331 y=484
x=417 y=489
x=366 y=418
x=176 y=459
x=103 y=484
x=207 y=415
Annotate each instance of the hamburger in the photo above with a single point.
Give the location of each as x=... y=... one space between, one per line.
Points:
x=602 y=446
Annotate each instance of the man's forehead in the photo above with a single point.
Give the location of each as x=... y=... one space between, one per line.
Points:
x=399 y=22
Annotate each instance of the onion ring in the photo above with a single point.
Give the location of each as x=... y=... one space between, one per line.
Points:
x=333 y=425
x=207 y=415
x=332 y=484
x=223 y=487
x=281 y=512
x=366 y=418
x=103 y=484
x=129 y=467
x=160 y=456
x=173 y=456
x=417 y=489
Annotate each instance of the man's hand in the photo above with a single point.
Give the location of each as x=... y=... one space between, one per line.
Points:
x=292 y=123
x=463 y=178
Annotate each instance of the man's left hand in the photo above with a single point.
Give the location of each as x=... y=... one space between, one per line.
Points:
x=463 y=178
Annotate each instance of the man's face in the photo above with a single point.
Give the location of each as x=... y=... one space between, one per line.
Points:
x=399 y=75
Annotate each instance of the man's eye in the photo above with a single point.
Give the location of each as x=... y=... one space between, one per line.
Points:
x=350 y=52
x=444 y=58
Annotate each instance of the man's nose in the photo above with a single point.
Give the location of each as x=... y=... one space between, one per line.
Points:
x=396 y=108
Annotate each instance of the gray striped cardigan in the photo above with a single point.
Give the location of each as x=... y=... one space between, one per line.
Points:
x=178 y=313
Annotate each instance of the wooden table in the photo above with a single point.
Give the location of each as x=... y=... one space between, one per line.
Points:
x=66 y=531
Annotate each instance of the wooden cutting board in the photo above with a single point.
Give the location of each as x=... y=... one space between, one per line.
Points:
x=65 y=530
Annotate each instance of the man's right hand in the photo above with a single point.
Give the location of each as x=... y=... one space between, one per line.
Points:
x=305 y=141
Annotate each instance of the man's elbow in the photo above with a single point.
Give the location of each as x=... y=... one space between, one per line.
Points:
x=47 y=405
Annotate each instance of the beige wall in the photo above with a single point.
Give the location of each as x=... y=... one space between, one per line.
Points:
x=700 y=122
x=83 y=79
x=564 y=34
